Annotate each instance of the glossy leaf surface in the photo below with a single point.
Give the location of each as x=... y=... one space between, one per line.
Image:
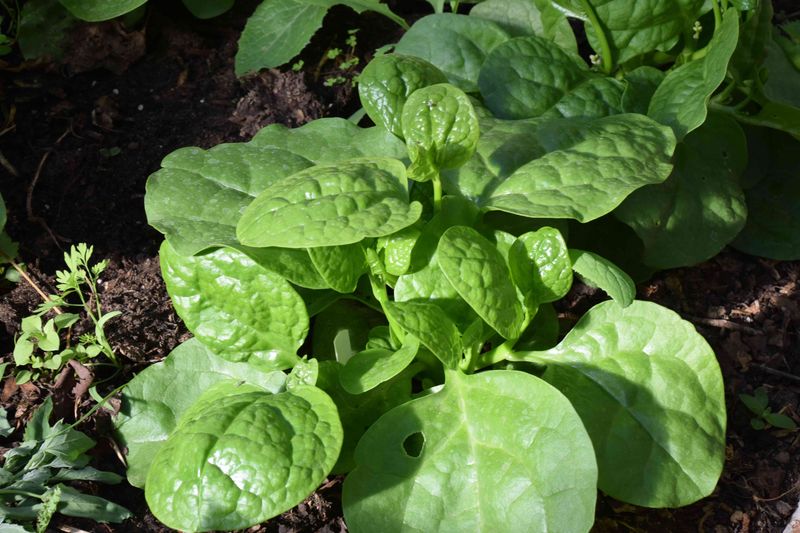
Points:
x=602 y=273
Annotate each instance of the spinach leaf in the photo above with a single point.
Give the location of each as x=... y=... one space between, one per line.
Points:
x=522 y=17
x=602 y=273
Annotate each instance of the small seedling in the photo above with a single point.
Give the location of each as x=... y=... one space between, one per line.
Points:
x=759 y=406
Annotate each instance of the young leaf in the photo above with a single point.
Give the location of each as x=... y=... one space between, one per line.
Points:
x=540 y=266
x=441 y=129
x=590 y=167
x=480 y=275
x=76 y=503
x=240 y=310
x=649 y=391
x=398 y=249
x=368 y=369
x=447 y=461
x=701 y=207
x=339 y=266
x=531 y=76
x=155 y=399
x=780 y=421
x=196 y=199
x=386 y=83
x=456 y=44
x=602 y=273
x=240 y=455
x=431 y=326
x=522 y=17
x=682 y=98
x=331 y=205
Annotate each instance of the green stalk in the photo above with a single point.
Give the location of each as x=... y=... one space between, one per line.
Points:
x=437 y=193
x=717 y=15
x=605 y=48
x=494 y=356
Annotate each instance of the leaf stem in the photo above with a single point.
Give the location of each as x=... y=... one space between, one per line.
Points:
x=437 y=193
x=717 y=15
x=605 y=47
x=494 y=356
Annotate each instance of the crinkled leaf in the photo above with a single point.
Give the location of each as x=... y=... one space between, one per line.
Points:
x=387 y=82
x=97 y=10
x=196 y=199
x=397 y=250
x=602 y=273
x=441 y=129
x=531 y=76
x=155 y=399
x=329 y=140
x=456 y=44
x=291 y=263
x=681 y=100
x=368 y=369
x=649 y=391
x=234 y=306
x=330 y=205
x=524 y=17
x=540 y=266
x=340 y=266
x=480 y=275
x=431 y=326
x=590 y=167
x=701 y=207
x=241 y=455
x=496 y=450
x=304 y=372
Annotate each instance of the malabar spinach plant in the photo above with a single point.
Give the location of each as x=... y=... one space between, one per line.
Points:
x=719 y=73
x=378 y=302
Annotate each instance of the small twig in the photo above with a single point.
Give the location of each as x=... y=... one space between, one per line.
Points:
x=29 y=281
x=723 y=324
x=8 y=166
x=775 y=372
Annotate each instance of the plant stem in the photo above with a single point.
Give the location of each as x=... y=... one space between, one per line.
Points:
x=21 y=493
x=437 y=194
x=605 y=48
x=494 y=356
x=717 y=15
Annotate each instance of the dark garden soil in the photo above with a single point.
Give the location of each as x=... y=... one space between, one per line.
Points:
x=81 y=137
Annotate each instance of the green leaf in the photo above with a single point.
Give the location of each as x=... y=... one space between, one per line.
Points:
x=758 y=403
x=780 y=421
x=640 y=85
x=6 y=428
x=206 y=9
x=701 y=207
x=340 y=266
x=342 y=330
x=196 y=199
x=773 y=204
x=590 y=167
x=386 y=83
x=38 y=427
x=755 y=34
x=456 y=44
x=531 y=76
x=441 y=129
x=237 y=308
x=155 y=399
x=523 y=17
x=431 y=326
x=331 y=205
x=636 y=27
x=240 y=455
x=681 y=101
x=368 y=369
x=329 y=140
x=305 y=372
x=649 y=391
x=398 y=249
x=75 y=503
x=293 y=264
x=540 y=266
x=599 y=272
x=447 y=461
x=783 y=76
x=43 y=27
x=480 y=275
x=97 y=10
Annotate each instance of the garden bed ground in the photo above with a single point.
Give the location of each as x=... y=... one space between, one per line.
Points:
x=83 y=141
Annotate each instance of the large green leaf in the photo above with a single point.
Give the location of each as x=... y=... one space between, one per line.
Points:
x=589 y=168
x=329 y=140
x=773 y=203
x=386 y=83
x=97 y=10
x=540 y=266
x=431 y=326
x=531 y=76
x=440 y=128
x=330 y=205
x=340 y=266
x=155 y=399
x=456 y=44
x=649 y=391
x=635 y=27
x=524 y=17
x=240 y=455
x=196 y=199
x=291 y=263
x=500 y=450
x=701 y=207
x=598 y=271
x=681 y=101
x=237 y=308
x=480 y=275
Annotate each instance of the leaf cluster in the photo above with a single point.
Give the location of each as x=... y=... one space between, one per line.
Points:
x=758 y=404
x=35 y=476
